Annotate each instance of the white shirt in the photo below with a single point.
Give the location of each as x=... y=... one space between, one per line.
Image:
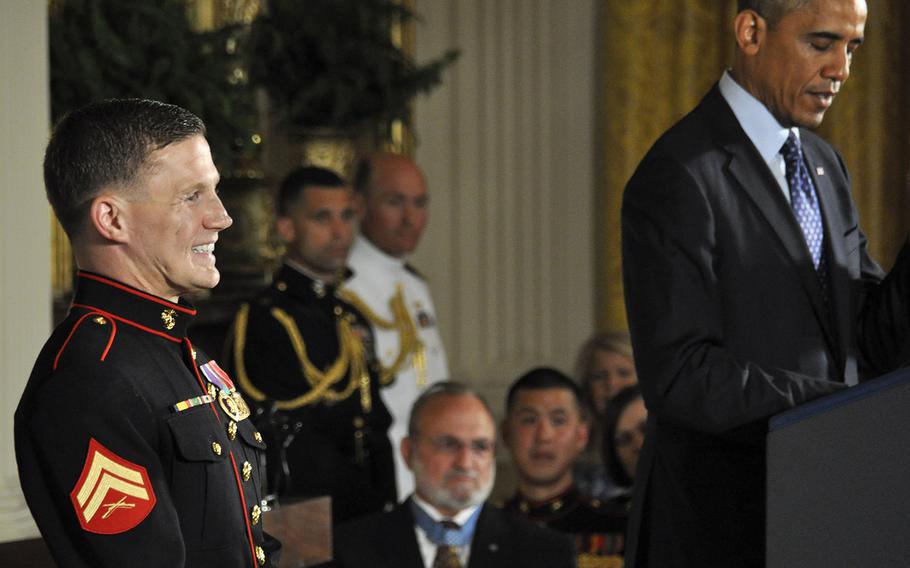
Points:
x=765 y=132
x=375 y=281
x=427 y=547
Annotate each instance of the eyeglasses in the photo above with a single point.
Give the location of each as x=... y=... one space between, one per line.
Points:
x=450 y=445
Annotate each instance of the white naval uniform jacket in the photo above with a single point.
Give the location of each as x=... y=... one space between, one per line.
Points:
x=375 y=280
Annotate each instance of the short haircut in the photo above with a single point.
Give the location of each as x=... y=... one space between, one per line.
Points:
x=614 y=410
x=771 y=10
x=105 y=143
x=546 y=378
x=436 y=390
x=295 y=182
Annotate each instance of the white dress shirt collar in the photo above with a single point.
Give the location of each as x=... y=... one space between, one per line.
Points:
x=760 y=126
x=428 y=548
x=765 y=132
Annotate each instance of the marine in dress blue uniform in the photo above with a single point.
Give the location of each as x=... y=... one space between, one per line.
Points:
x=133 y=448
x=599 y=527
x=128 y=453
x=302 y=350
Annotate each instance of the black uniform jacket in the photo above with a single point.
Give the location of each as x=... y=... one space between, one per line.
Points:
x=281 y=342
x=598 y=527
x=124 y=456
x=501 y=539
x=730 y=326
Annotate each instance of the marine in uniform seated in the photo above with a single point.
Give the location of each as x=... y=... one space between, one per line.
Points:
x=305 y=357
x=134 y=448
x=545 y=429
x=446 y=523
x=393 y=202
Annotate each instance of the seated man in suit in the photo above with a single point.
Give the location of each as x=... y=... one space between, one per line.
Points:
x=546 y=429
x=450 y=448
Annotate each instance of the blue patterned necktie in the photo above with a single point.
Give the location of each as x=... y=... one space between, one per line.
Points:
x=447 y=551
x=804 y=201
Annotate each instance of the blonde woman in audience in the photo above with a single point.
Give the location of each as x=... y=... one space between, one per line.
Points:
x=605 y=367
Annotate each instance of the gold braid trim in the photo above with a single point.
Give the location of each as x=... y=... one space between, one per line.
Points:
x=408 y=341
x=240 y=325
x=351 y=357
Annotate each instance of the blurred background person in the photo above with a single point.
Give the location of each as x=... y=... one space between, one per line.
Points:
x=446 y=522
x=392 y=201
x=605 y=366
x=305 y=356
x=624 y=424
x=546 y=429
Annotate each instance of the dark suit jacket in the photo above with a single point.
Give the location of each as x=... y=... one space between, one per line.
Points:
x=501 y=539
x=729 y=327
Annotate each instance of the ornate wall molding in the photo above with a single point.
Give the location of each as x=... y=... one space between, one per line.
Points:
x=25 y=265
x=507 y=147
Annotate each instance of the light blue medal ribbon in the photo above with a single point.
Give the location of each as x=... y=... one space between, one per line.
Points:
x=440 y=535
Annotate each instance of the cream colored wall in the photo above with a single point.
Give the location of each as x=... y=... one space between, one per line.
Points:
x=507 y=146
x=25 y=290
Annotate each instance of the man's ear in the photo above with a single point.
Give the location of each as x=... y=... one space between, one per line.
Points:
x=109 y=215
x=749 y=29
x=285 y=229
x=405 y=448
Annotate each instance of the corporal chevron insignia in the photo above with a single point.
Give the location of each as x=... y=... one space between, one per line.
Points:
x=113 y=495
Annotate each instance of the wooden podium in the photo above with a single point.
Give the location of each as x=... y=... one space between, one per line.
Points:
x=839 y=479
x=304 y=529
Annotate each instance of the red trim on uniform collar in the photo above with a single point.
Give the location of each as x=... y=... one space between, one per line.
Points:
x=136 y=292
x=126 y=321
x=107 y=348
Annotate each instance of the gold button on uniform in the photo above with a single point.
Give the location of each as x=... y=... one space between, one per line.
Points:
x=255 y=513
x=216 y=447
x=232 y=430
x=257 y=436
x=260 y=555
x=247 y=471
x=100 y=320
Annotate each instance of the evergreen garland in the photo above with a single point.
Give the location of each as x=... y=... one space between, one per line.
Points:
x=103 y=49
x=332 y=63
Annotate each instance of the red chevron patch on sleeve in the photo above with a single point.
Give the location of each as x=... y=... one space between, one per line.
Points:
x=113 y=495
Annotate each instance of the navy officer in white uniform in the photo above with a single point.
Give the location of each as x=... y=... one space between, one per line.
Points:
x=393 y=201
